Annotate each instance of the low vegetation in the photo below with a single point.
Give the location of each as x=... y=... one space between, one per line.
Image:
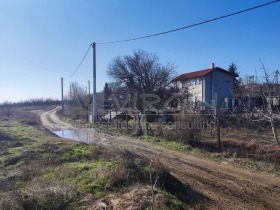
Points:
x=41 y=171
x=241 y=145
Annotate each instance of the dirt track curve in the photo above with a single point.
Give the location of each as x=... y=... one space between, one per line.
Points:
x=220 y=186
x=50 y=120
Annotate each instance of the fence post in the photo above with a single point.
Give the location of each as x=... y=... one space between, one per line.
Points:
x=117 y=120
x=218 y=133
x=126 y=118
x=216 y=116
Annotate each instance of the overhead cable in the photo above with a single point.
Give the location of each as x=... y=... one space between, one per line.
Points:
x=80 y=62
x=190 y=26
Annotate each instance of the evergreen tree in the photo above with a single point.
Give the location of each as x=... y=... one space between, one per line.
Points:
x=107 y=92
x=233 y=69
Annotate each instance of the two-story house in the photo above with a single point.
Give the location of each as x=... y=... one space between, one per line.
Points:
x=205 y=85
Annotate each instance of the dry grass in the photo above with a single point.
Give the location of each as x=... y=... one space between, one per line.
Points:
x=40 y=171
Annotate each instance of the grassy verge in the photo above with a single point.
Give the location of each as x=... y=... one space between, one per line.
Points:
x=241 y=147
x=41 y=171
x=261 y=161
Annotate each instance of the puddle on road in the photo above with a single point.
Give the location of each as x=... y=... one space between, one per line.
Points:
x=84 y=135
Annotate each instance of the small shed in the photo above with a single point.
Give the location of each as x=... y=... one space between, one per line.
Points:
x=117 y=115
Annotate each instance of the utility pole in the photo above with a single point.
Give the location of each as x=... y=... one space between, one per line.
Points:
x=94 y=110
x=62 y=100
x=276 y=76
x=70 y=92
x=89 y=87
x=276 y=94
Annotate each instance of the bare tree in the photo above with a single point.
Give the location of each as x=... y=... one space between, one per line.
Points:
x=268 y=113
x=256 y=108
x=78 y=102
x=140 y=72
x=7 y=109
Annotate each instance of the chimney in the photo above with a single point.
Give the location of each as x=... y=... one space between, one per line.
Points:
x=212 y=65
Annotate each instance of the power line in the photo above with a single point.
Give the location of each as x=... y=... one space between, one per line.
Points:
x=170 y=31
x=189 y=26
x=80 y=62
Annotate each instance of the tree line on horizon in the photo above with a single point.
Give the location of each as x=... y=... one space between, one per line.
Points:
x=33 y=102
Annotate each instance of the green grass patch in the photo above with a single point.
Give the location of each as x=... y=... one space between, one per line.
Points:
x=44 y=172
x=255 y=160
x=176 y=146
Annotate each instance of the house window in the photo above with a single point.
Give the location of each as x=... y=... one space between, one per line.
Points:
x=197 y=81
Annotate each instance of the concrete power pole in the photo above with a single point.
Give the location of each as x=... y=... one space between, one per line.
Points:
x=62 y=100
x=70 y=92
x=89 y=87
x=94 y=110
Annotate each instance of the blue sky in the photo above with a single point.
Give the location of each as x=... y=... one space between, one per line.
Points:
x=42 y=41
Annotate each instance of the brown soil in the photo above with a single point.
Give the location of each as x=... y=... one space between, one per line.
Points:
x=50 y=120
x=217 y=185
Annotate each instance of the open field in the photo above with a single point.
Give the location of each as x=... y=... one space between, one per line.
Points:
x=81 y=174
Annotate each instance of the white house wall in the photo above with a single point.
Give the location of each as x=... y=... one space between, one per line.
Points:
x=179 y=84
x=194 y=88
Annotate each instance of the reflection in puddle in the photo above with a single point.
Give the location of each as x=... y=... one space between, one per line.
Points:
x=83 y=135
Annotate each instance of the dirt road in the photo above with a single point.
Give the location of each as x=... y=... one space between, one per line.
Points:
x=50 y=120
x=217 y=185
